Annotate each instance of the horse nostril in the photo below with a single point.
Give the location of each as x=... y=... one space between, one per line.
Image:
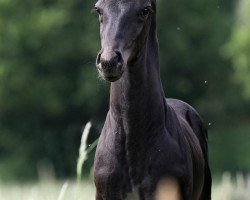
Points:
x=119 y=57
x=98 y=59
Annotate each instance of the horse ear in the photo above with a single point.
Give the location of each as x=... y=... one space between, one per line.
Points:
x=153 y=4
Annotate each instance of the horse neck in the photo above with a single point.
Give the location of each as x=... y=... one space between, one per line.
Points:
x=137 y=105
x=137 y=100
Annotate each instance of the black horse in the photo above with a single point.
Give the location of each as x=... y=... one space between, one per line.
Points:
x=149 y=144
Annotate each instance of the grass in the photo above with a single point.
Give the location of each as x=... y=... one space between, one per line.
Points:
x=83 y=152
x=225 y=189
x=229 y=189
x=49 y=189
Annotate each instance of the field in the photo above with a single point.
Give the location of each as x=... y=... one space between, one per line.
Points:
x=48 y=188
x=225 y=189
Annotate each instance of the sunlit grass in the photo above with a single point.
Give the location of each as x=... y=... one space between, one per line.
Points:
x=230 y=189
x=47 y=191
x=224 y=189
x=82 y=151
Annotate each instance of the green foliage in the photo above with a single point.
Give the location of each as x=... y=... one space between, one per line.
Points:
x=48 y=82
x=229 y=149
x=191 y=35
x=239 y=46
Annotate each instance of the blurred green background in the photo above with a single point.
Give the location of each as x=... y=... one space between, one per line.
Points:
x=49 y=87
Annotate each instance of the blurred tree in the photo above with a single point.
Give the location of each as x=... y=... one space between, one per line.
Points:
x=239 y=46
x=191 y=36
x=48 y=85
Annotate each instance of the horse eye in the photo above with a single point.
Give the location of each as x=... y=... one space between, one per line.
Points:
x=145 y=12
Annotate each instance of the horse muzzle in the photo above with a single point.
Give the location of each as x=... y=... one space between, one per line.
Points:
x=110 y=65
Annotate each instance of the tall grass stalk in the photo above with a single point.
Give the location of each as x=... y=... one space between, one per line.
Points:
x=83 y=153
x=63 y=191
